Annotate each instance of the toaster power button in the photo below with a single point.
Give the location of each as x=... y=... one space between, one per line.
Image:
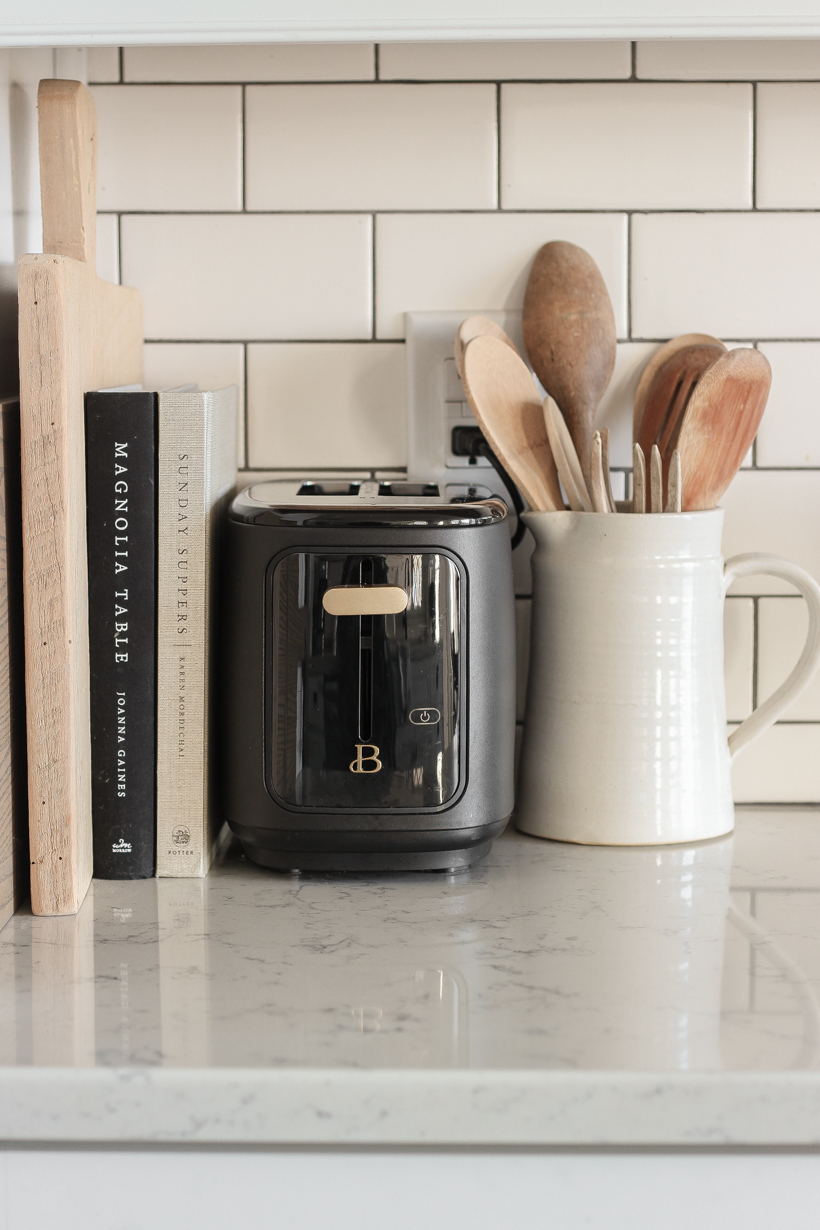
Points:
x=425 y=717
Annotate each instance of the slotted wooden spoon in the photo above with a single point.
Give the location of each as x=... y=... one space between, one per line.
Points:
x=505 y=402
x=719 y=425
x=657 y=361
x=668 y=395
x=569 y=333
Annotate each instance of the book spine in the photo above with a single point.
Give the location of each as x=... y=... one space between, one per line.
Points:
x=14 y=861
x=182 y=709
x=121 y=536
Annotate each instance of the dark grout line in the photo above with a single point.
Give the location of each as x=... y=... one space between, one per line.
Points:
x=629 y=275
x=373 y=277
x=242 y=158
x=498 y=146
x=755 y=648
x=586 y=211
x=273 y=341
x=633 y=55
x=754 y=146
x=245 y=407
x=376 y=67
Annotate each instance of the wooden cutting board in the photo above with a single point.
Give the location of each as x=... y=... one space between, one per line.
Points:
x=76 y=333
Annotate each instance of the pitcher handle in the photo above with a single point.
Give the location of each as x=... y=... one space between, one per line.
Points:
x=755 y=564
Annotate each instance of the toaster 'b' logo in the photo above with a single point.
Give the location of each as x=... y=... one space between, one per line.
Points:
x=357 y=765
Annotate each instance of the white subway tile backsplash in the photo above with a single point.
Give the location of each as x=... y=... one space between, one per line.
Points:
x=494 y=60
x=782 y=766
x=167 y=147
x=738 y=660
x=252 y=62
x=108 y=247
x=235 y=277
x=790 y=432
x=728 y=59
x=211 y=365
x=475 y=262
x=371 y=147
x=776 y=512
x=787 y=163
x=326 y=404
x=306 y=139
x=626 y=146
x=103 y=65
x=743 y=275
x=782 y=627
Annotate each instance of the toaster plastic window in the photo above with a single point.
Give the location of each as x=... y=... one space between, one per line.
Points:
x=363 y=707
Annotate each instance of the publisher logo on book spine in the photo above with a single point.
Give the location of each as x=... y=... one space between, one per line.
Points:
x=121 y=847
x=181 y=835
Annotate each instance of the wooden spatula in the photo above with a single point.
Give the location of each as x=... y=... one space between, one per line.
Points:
x=720 y=424
x=566 y=458
x=76 y=333
x=505 y=402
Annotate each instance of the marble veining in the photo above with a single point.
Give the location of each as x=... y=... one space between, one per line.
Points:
x=554 y=994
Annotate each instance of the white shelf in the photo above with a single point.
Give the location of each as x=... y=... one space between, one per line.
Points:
x=89 y=22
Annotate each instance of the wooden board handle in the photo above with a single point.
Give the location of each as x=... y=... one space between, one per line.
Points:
x=68 y=169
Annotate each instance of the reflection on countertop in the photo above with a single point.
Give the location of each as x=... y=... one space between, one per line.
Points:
x=546 y=957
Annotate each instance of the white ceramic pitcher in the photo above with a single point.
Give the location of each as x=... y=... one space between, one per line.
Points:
x=625 y=726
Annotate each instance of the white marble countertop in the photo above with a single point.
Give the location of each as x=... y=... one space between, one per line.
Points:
x=555 y=995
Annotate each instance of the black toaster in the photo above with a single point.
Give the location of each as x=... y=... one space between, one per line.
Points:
x=367 y=675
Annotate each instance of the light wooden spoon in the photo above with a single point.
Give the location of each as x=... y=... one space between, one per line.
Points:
x=505 y=402
x=477 y=326
x=720 y=424
x=569 y=333
x=657 y=361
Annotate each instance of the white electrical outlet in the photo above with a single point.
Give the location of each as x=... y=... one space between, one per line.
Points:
x=436 y=404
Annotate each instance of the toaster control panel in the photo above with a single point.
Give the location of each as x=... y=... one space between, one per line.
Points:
x=365 y=658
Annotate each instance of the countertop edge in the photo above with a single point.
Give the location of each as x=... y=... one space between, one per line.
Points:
x=235 y=1106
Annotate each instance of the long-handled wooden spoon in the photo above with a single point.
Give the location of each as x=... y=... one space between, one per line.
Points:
x=569 y=333
x=657 y=361
x=720 y=424
x=505 y=402
x=476 y=326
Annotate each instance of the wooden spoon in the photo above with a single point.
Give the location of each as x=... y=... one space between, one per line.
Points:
x=658 y=359
x=505 y=402
x=569 y=334
x=668 y=395
x=720 y=424
x=476 y=326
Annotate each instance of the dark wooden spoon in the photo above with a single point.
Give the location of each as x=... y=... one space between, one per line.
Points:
x=569 y=334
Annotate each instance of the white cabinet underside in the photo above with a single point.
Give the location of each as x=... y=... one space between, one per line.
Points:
x=87 y=22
